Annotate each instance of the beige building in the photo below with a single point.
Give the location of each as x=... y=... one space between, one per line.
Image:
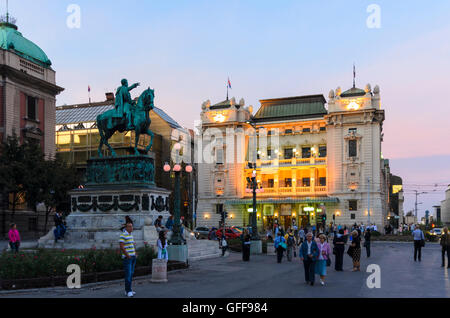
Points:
x=445 y=208
x=316 y=160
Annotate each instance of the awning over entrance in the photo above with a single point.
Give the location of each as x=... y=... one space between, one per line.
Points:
x=286 y=200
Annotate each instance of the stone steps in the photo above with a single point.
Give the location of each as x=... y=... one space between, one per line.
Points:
x=203 y=249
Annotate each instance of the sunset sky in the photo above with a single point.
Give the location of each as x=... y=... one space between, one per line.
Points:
x=186 y=50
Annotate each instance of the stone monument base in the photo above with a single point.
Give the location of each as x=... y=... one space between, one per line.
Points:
x=99 y=213
x=178 y=253
x=256 y=247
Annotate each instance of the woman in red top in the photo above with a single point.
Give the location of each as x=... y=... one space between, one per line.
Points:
x=14 y=238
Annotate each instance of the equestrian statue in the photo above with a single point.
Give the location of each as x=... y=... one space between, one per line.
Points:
x=128 y=115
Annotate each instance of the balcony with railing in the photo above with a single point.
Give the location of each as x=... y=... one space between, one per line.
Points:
x=288 y=191
x=291 y=162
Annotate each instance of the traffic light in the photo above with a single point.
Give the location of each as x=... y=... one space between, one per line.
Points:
x=324 y=218
x=223 y=215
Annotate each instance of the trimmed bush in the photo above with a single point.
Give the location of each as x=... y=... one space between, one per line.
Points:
x=51 y=263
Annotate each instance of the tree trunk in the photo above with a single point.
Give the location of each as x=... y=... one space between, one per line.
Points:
x=14 y=202
x=4 y=206
x=47 y=212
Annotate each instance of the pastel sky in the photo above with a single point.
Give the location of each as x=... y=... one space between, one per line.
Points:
x=186 y=49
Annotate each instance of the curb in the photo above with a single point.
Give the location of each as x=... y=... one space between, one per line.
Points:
x=91 y=286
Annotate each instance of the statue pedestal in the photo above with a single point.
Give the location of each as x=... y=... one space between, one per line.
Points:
x=178 y=253
x=99 y=209
x=256 y=247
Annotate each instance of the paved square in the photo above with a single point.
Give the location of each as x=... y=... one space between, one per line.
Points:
x=263 y=277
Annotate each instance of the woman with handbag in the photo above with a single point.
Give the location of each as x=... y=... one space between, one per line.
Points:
x=339 y=248
x=356 y=251
x=324 y=258
x=280 y=246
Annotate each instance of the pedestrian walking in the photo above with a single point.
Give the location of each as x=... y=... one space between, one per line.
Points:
x=14 y=238
x=290 y=242
x=162 y=246
x=339 y=242
x=280 y=245
x=308 y=253
x=246 y=246
x=419 y=242
x=367 y=236
x=323 y=259
x=356 y=251
x=223 y=245
x=128 y=249
x=301 y=235
x=445 y=244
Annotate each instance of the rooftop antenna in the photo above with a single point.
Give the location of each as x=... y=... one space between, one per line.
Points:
x=354 y=75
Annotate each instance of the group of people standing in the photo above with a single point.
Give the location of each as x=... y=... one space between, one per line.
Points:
x=316 y=253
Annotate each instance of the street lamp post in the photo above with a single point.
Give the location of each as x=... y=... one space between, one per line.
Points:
x=177 y=239
x=256 y=244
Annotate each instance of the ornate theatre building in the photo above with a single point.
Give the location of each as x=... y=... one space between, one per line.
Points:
x=316 y=161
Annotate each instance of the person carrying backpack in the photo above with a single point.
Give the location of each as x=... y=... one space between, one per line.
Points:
x=280 y=245
x=290 y=245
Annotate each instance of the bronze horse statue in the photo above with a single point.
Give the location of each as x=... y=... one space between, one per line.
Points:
x=108 y=123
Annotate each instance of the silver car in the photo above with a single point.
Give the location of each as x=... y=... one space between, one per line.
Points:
x=201 y=232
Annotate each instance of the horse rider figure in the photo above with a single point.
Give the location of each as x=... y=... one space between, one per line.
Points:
x=123 y=103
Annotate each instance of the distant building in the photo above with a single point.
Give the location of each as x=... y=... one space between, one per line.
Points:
x=410 y=218
x=27 y=106
x=445 y=208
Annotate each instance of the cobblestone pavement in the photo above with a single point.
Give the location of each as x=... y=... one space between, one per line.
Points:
x=263 y=277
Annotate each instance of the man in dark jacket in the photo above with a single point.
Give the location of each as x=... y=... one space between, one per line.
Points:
x=367 y=241
x=445 y=244
x=309 y=251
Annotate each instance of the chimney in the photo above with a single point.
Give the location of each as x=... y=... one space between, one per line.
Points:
x=109 y=96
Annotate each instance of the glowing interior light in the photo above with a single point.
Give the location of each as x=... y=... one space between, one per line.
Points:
x=219 y=118
x=352 y=105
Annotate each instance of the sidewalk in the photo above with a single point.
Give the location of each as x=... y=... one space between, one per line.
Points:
x=4 y=244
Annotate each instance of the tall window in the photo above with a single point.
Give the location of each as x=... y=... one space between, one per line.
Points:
x=270 y=183
x=219 y=208
x=352 y=205
x=306 y=152
x=269 y=153
x=322 y=181
x=352 y=148
x=288 y=153
x=306 y=182
x=219 y=155
x=288 y=182
x=31 y=108
x=322 y=151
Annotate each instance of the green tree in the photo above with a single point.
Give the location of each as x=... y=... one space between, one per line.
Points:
x=58 y=179
x=12 y=174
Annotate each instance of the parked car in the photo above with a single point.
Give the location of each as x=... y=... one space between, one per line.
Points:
x=436 y=231
x=239 y=228
x=201 y=232
x=230 y=233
